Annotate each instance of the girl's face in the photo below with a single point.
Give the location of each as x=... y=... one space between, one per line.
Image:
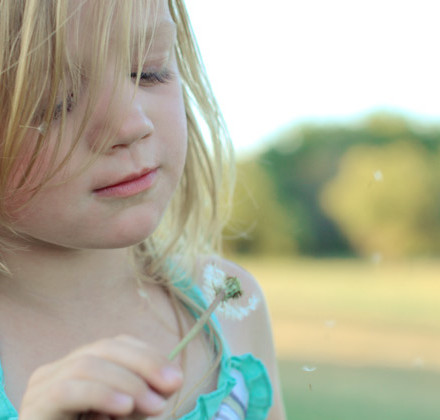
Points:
x=120 y=199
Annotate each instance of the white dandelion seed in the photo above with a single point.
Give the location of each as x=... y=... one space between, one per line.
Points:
x=376 y=258
x=330 y=323
x=308 y=368
x=378 y=175
x=215 y=280
x=418 y=362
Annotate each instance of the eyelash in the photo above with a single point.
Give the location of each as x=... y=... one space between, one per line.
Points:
x=146 y=78
x=154 y=78
x=59 y=107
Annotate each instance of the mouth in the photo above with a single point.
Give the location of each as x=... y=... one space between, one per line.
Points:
x=130 y=185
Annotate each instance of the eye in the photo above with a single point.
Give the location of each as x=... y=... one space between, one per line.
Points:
x=153 y=78
x=69 y=103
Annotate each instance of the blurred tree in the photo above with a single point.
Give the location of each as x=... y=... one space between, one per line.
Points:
x=299 y=162
x=286 y=180
x=259 y=224
x=386 y=199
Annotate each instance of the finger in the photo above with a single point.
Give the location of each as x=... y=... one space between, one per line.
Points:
x=89 y=366
x=118 y=378
x=81 y=396
x=125 y=365
x=141 y=359
x=78 y=395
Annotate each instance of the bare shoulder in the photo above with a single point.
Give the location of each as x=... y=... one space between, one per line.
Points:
x=253 y=331
x=252 y=334
x=248 y=282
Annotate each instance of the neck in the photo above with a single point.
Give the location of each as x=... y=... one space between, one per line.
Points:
x=50 y=278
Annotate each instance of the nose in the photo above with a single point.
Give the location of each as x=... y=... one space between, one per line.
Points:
x=133 y=126
x=120 y=120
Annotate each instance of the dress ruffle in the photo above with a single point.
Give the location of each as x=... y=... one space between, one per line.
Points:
x=257 y=382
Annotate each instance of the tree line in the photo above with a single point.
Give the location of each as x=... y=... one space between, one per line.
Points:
x=365 y=188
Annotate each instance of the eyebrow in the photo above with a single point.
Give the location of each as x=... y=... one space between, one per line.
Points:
x=165 y=26
x=163 y=30
x=159 y=38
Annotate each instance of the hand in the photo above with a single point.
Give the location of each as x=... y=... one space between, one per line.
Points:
x=117 y=377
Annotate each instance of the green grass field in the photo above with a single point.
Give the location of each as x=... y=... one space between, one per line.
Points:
x=334 y=392
x=370 y=331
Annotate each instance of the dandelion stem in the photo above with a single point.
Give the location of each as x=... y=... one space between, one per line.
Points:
x=198 y=325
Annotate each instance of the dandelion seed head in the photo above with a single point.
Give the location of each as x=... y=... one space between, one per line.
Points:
x=214 y=280
x=233 y=288
x=230 y=308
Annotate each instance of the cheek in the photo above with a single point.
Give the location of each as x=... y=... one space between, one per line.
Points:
x=178 y=150
x=28 y=174
x=22 y=176
x=22 y=180
x=180 y=133
x=171 y=123
x=179 y=126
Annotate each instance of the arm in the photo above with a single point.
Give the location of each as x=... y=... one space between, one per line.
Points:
x=254 y=334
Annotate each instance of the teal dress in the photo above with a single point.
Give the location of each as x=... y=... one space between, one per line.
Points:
x=208 y=406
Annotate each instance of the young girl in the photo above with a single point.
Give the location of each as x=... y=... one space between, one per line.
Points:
x=110 y=210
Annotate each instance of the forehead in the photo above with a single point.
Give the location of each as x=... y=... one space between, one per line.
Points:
x=88 y=8
x=145 y=22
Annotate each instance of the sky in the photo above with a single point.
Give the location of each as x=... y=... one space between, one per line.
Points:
x=278 y=62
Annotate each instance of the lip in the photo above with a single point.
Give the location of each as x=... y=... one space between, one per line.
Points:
x=130 y=185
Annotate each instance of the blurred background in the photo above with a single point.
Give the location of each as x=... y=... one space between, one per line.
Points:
x=334 y=111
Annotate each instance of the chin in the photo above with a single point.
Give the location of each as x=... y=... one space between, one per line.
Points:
x=127 y=234
x=122 y=241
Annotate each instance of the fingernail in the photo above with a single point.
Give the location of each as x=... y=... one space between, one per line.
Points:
x=171 y=374
x=122 y=400
x=154 y=401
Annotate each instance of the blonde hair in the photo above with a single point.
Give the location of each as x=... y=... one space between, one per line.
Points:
x=36 y=68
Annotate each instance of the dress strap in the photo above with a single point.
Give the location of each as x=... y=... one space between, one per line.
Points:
x=7 y=410
x=190 y=289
